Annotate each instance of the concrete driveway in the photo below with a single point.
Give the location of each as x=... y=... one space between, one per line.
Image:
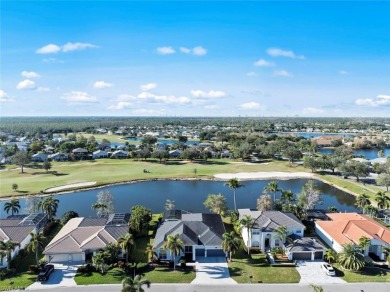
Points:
x=311 y=273
x=212 y=270
x=62 y=276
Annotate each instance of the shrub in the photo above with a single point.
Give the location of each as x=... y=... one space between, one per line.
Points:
x=34 y=269
x=170 y=265
x=15 y=262
x=88 y=268
x=6 y=273
x=122 y=265
x=49 y=227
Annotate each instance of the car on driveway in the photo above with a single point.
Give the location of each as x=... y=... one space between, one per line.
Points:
x=44 y=274
x=328 y=269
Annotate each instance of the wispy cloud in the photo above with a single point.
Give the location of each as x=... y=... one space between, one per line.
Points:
x=165 y=50
x=102 y=84
x=121 y=105
x=148 y=86
x=30 y=74
x=250 y=105
x=197 y=51
x=380 y=101
x=68 y=47
x=207 y=94
x=79 y=97
x=251 y=74
x=25 y=84
x=4 y=97
x=282 y=73
x=263 y=63
x=277 y=52
x=43 y=89
x=343 y=72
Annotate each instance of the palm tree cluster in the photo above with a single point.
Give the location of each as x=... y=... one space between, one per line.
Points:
x=231 y=243
x=350 y=257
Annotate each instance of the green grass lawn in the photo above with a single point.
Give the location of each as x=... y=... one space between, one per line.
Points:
x=367 y=274
x=113 y=276
x=255 y=269
x=166 y=275
x=20 y=281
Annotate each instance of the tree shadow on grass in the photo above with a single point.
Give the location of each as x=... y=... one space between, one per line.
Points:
x=368 y=271
x=60 y=174
x=22 y=192
x=235 y=272
x=339 y=273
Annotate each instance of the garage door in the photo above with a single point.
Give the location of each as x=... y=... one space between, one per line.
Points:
x=200 y=252
x=301 y=256
x=58 y=258
x=318 y=255
x=215 y=253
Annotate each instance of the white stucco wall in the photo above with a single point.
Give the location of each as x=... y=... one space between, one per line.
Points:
x=328 y=239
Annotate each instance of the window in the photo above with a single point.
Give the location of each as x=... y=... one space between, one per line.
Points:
x=188 y=249
x=276 y=242
x=162 y=254
x=255 y=232
x=298 y=232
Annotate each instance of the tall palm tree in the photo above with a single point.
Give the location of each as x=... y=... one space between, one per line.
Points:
x=127 y=243
x=49 y=206
x=248 y=222
x=382 y=200
x=175 y=245
x=37 y=241
x=350 y=258
x=150 y=253
x=99 y=208
x=281 y=232
x=234 y=184
x=134 y=285
x=364 y=243
x=287 y=196
x=6 y=249
x=272 y=187
x=231 y=243
x=330 y=255
x=362 y=201
x=12 y=206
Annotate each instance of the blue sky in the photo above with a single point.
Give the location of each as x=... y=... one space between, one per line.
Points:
x=160 y=58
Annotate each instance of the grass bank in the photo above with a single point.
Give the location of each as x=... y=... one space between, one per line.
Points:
x=367 y=274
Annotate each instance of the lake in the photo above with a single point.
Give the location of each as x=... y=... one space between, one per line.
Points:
x=367 y=153
x=189 y=195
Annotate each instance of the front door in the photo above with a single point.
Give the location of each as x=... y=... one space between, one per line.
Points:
x=266 y=243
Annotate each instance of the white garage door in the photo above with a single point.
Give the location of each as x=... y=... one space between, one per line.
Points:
x=60 y=258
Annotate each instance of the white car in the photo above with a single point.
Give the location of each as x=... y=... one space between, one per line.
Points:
x=328 y=269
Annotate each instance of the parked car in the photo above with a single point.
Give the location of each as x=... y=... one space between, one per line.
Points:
x=44 y=274
x=328 y=269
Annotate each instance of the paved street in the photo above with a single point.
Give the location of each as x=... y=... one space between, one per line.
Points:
x=212 y=270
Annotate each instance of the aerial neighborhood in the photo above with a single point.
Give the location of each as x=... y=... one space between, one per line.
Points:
x=275 y=203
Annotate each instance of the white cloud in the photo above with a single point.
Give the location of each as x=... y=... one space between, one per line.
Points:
x=125 y=97
x=69 y=47
x=48 y=49
x=121 y=105
x=79 y=97
x=197 y=51
x=52 y=60
x=379 y=101
x=208 y=94
x=43 y=89
x=4 y=97
x=251 y=74
x=312 y=110
x=282 y=73
x=165 y=50
x=148 y=86
x=30 y=74
x=145 y=95
x=343 y=72
x=276 y=52
x=250 y=105
x=25 y=84
x=168 y=99
x=263 y=63
x=102 y=84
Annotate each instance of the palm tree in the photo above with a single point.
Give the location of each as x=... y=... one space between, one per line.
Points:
x=287 y=196
x=272 y=187
x=317 y=288
x=382 y=200
x=127 y=243
x=234 y=184
x=231 y=243
x=248 y=222
x=364 y=243
x=6 y=249
x=362 y=201
x=281 y=232
x=330 y=255
x=371 y=210
x=37 y=241
x=12 y=206
x=134 y=285
x=150 y=253
x=350 y=258
x=99 y=208
x=175 y=245
x=49 y=206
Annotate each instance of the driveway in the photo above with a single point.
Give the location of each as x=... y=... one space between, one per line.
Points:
x=212 y=270
x=62 y=276
x=311 y=273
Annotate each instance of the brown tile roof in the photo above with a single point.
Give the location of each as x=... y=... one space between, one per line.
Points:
x=350 y=227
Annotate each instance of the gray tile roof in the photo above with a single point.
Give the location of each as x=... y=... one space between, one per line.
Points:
x=305 y=244
x=194 y=229
x=15 y=227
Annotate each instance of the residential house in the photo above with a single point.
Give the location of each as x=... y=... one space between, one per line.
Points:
x=160 y=146
x=82 y=237
x=59 y=156
x=99 y=154
x=175 y=153
x=326 y=141
x=39 y=157
x=17 y=228
x=305 y=248
x=201 y=234
x=349 y=228
x=80 y=153
x=119 y=154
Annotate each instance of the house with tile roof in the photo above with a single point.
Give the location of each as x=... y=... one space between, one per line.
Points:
x=201 y=234
x=17 y=228
x=349 y=228
x=82 y=236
